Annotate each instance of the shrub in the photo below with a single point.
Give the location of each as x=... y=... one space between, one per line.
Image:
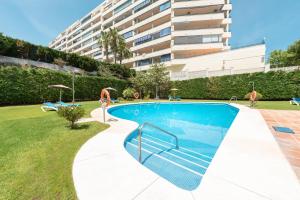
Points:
x=30 y=85
x=128 y=93
x=71 y=114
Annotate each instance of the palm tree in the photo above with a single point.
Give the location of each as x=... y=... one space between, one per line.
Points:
x=104 y=42
x=123 y=51
x=114 y=42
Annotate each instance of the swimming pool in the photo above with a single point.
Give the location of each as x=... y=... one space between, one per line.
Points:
x=199 y=127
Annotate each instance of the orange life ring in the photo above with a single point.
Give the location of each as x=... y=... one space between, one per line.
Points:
x=136 y=95
x=253 y=95
x=104 y=92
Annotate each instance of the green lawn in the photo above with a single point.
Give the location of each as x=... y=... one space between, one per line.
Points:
x=37 y=151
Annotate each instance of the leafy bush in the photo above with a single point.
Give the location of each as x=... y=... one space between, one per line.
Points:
x=128 y=93
x=30 y=85
x=273 y=85
x=71 y=114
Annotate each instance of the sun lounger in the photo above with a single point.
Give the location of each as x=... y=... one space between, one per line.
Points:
x=176 y=98
x=61 y=103
x=295 y=101
x=49 y=106
x=114 y=100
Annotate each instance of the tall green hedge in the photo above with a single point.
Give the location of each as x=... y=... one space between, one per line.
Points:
x=30 y=85
x=272 y=85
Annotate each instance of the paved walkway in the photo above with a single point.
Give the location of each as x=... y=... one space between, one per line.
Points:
x=289 y=143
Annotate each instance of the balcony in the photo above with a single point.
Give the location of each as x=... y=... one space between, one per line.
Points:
x=209 y=31
x=154 y=36
x=198 y=46
x=149 y=61
x=227 y=7
x=196 y=3
x=146 y=67
x=152 y=43
x=201 y=17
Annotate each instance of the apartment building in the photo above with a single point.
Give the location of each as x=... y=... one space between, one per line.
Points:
x=157 y=31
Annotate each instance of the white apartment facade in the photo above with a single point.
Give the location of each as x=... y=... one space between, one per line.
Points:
x=173 y=32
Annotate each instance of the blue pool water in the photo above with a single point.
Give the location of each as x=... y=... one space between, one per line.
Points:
x=199 y=127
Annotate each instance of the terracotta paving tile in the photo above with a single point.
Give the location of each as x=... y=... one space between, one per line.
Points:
x=289 y=143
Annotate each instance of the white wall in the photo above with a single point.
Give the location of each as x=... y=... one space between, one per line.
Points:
x=238 y=59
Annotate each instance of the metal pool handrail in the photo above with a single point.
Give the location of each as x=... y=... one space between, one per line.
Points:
x=156 y=127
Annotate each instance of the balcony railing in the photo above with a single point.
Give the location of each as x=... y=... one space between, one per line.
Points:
x=200 y=39
x=149 y=61
x=154 y=36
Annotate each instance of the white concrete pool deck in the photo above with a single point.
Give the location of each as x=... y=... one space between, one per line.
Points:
x=248 y=165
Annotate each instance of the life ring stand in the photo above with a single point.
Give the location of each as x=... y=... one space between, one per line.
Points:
x=104 y=92
x=136 y=95
x=253 y=95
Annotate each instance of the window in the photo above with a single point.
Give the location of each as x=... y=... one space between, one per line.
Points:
x=128 y=34
x=211 y=39
x=165 y=58
x=123 y=6
x=164 y=6
x=144 y=62
x=143 y=39
x=142 y=5
x=165 y=31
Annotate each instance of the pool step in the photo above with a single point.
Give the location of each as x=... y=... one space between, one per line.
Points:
x=179 y=152
x=183 y=150
x=174 y=172
x=166 y=153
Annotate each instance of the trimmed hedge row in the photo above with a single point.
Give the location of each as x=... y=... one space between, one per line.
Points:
x=30 y=86
x=272 y=85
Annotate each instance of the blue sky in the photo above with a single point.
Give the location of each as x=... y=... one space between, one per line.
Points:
x=39 y=21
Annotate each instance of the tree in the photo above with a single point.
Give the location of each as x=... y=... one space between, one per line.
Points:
x=294 y=51
x=128 y=93
x=123 y=51
x=141 y=82
x=22 y=48
x=115 y=39
x=159 y=77
x=279 y=58
x=104 y=42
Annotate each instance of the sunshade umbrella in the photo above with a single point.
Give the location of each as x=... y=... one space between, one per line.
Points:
x=174 y=90
x=60 y=87
x=110 y=88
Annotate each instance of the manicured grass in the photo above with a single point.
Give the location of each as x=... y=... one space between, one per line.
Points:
x=37 y=150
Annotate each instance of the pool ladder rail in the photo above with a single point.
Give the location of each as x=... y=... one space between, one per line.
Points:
x=233 y=98
x=140 y=132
